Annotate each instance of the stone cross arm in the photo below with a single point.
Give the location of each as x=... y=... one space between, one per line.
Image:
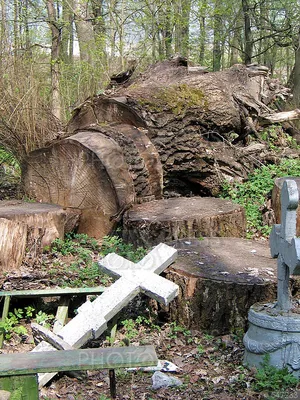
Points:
x=91 y=320
x=144 y=273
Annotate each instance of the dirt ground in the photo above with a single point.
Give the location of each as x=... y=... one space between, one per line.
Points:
x=209 y=367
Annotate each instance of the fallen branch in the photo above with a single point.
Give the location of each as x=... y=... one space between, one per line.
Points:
x=268 y=119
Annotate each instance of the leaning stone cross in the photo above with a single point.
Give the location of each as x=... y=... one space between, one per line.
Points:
x=91 y=320
x=284 y=244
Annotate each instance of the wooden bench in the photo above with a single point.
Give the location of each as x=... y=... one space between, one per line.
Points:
x=18 y=371
x=63 y=293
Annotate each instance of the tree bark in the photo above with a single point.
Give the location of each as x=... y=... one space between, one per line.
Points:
x=101 y=172
x=248 y=43
x=219 y=280
x=189 y=118
x=55 y=54
x=149 y=224
x=28 y=228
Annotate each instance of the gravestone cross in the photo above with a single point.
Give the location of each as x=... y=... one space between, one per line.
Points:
x=91 y=320
x=284 y=244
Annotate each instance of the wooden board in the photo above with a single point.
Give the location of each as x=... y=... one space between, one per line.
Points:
x=159 y=221
x=74 y=360
x=52 y=292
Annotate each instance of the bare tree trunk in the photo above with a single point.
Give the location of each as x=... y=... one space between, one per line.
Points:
x=85 y=31
x=248 y=45
x=202 y=26
x=55 y=50
x=296 y=76
x=3 y=32
x=182 y=20
x=217 y=46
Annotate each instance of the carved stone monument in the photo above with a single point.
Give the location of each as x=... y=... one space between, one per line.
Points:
x=275 y=328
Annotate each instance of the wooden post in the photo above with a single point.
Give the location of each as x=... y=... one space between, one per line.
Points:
x=112 y=383
x=4 y=316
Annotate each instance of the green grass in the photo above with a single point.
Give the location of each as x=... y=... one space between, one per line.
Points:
x=82 y=270
x=253 y=193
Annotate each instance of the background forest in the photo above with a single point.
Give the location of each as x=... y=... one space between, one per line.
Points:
x=56 y=53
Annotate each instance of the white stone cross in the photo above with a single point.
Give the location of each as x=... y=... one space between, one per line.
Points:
x=285 y=245
x=91 y=320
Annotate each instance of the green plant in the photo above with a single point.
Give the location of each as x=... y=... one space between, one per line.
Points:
x=130 y=328
x=200 y=349
x=176 y=329
x=253 y=193
x=29 y=312
x=11 y=324
x=269 y=378
x=43 y=318
x=103 y=397
x=114 y=244
x=84 y=271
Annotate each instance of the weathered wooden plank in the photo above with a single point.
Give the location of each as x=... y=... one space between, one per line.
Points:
x=4 y=316
x=41 y=333
x=74 y=360
x=61 y=314
x=53 y=292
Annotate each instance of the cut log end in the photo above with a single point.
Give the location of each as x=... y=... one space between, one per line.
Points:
x=219 y=279
x=30 y=226
x=159 y=221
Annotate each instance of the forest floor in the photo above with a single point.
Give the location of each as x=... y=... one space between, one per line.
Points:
x=209 y=367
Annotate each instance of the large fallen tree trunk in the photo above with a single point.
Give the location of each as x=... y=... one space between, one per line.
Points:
x=192 y=118
x=170 y=122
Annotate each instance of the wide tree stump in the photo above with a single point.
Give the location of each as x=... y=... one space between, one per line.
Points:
x=12 y=244
x=100 y=172
x=159 y=221
x=30 y=226
x=276 y=201
x=219 y=279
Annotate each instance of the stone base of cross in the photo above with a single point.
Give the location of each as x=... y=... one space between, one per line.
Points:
x=91 y=320
x=284 y=244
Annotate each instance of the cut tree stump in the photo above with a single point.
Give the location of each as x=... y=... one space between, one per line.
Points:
x=276 y=202
x=101 y=172
x=28 y=225
x=219 y=279
x=12 y=244
x=159 y=221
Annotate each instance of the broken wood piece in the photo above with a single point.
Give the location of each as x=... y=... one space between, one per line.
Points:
x=61 y=316
x=41 y=333
x=111 y=167
x=274 y=118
